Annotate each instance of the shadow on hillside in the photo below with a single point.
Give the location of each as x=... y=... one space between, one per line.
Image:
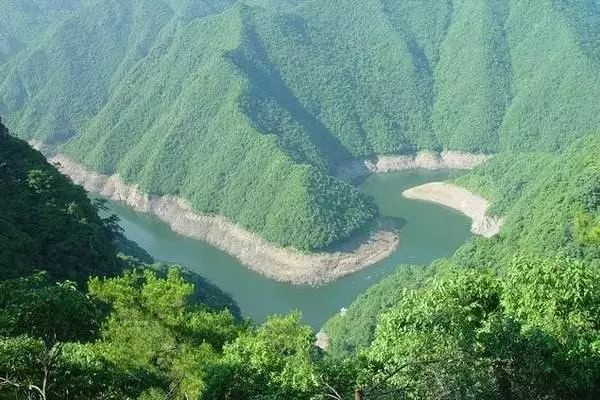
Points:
x=269 y=91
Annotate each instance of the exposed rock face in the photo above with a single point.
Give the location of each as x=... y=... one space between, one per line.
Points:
x=322 y=341
x=41 y=147
x=275 y=262
x=421 y=160
x=462 y=200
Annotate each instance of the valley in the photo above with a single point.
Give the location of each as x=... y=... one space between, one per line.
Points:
x=299 y=199
x=275 y=262
x=427 y=232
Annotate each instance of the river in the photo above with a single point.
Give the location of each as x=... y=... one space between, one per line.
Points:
x=428 y=232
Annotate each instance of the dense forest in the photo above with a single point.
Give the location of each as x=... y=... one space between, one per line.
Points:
x=246 y=108
x=169 y=93
x=47 y=223
x=552 y=207
x=526 y=329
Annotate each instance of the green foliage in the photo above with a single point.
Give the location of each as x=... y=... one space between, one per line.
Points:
x=435 y=329
x=53 y=339
x=468 y=334
x=205 y=292
x=273 y=362
x=47 y=223
x=43 y=325
x=354 y=330
x=25 y=20
x=550 y=203
x=559 y=296
x=471 y=104
x=504 y=178
x=132 y=46
x=244 y=107
x=587 y=228
x=20 y=365
x=151 y=327
x=53 y=313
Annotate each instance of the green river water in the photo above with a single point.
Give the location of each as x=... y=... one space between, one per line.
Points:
x=428 y=232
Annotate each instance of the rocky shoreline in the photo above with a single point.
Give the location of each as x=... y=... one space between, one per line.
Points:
x=460 y=199
x=275 y=262
x=422 y=160
x=281 y=264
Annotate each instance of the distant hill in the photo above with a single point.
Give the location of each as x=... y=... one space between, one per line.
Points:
x=246 y=108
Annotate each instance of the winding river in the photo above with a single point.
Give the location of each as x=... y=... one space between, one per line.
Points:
x=428 y=232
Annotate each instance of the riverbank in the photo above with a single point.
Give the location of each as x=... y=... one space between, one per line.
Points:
x=460 y=199
x=272 y=261
x=281 y=264
x=421 y=160
x=427 y=232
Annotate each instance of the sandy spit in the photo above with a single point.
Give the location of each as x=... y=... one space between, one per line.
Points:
x=281 y=264
x=421 y=160
x=462 y=200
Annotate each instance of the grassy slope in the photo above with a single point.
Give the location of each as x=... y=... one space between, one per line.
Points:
x=245 y=110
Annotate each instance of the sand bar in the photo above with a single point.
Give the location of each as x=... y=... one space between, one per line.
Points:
x=462 y=200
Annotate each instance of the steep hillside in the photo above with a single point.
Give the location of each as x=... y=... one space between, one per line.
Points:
x=182 y=139
x=24 y=21
x=552 y=207
x=545 y=199
x=440 y=332
x=46 y=222
x=387 y=77
x=246 y=108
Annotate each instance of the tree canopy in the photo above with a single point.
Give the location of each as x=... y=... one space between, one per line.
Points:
x=47 y=223
x=247 y=108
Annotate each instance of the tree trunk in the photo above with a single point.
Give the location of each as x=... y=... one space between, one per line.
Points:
x=358 y=394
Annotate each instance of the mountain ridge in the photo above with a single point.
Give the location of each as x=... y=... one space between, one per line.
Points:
x=297 y=89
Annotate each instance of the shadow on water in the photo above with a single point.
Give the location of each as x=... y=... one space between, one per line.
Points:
x=131 y=249
x=212 y=295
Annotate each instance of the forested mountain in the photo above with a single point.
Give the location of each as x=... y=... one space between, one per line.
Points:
x=246 y=109
x=148 y=332
x=551 y=203
x=47 y=223
x=168 y=94
x=444 y=332
x=552 y=208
